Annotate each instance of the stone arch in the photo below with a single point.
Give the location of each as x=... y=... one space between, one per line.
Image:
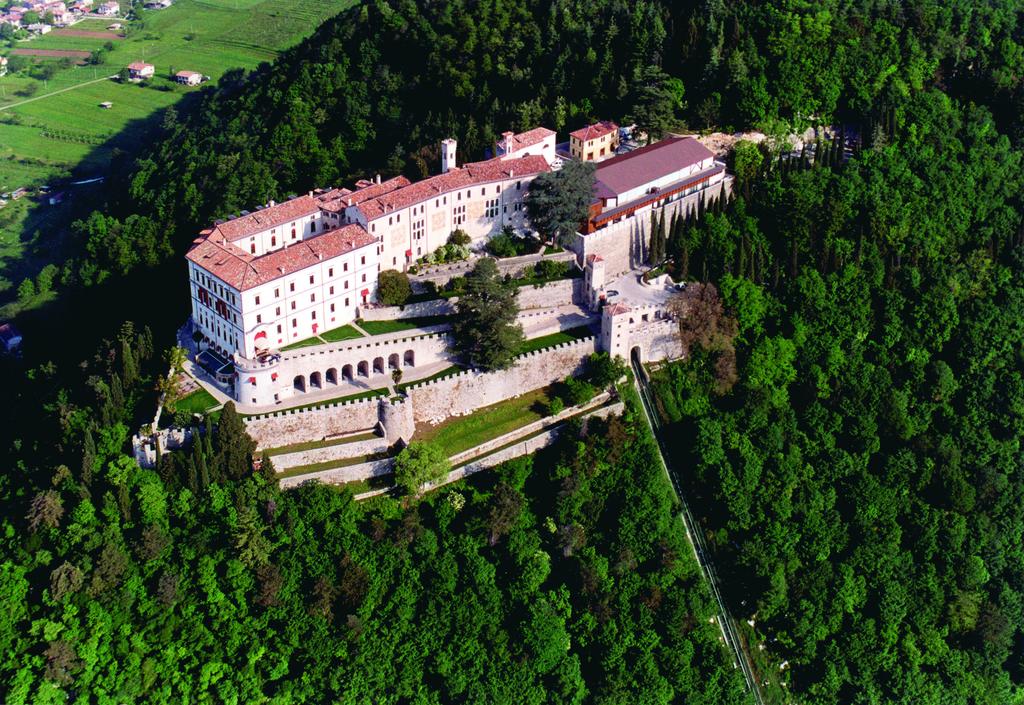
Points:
x=299 y=383
x=332 y=376
x=346 y=372
x=393 y=361
x=378 y=365
x=316 y=380
x=410 y=358
x=364 y=368
x=636 y=354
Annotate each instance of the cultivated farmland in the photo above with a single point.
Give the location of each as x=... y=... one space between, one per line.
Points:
x=57 y=128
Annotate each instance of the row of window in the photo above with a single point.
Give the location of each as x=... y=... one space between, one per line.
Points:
x=312 y=300
x=215 y=286
x=312 y=280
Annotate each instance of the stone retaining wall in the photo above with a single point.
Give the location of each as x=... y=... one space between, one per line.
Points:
x=341 y=451
x=463 y=393
x=340 y=476
x=283 y=428
x=441 y=274
x=418 y=309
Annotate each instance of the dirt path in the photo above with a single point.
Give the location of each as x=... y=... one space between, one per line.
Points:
x=62 y=90
x=59 y=53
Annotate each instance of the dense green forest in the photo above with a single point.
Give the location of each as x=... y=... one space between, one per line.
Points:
x=858 y=459
x=562 y=578
x=856 y=456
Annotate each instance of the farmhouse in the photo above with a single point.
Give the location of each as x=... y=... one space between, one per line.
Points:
x=138 y=71
x=594 y=143
x=189 y=78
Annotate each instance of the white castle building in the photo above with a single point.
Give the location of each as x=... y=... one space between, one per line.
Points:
x=292 y=270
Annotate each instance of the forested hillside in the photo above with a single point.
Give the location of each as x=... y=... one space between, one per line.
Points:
x=375 y=89
x=853 y=426
x=859 y=465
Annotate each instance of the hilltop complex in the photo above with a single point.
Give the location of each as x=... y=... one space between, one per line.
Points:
x=297 y=269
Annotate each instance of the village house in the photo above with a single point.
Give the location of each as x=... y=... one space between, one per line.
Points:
x=3 y=65
x=109 y=9
x=539 y=140
x=189 y=78
x=138 y=71
x=594 y=143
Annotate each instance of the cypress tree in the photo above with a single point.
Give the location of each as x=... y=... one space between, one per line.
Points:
x=129 y=365
x=662 y=239
x=116 y=397
x=234 y=445
x=652 y=241
x=88 y=456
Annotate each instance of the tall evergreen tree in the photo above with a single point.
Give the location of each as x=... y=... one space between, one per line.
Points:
x=234 y=446
x=485 y=331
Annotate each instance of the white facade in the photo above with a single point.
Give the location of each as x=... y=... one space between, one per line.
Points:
x=481 y=210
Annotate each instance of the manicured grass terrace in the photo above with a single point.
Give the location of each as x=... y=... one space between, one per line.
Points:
x=310 y=445
x=460 y=433
x=565 y=336
x=381 y=327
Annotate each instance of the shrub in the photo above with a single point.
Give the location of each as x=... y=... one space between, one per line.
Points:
x=552 y=269
x=578 y=391
x=459 y=237
x=502 y=246
x=556 y=406
x=419 y=462
x=393 y=287
x=603 y=370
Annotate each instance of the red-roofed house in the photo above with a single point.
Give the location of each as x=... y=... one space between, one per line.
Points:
x=138 y=70
x=539 y=140
x=594 y=143
x=189 y=78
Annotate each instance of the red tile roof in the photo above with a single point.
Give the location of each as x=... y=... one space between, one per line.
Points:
x=528 y=138
x=186 y=74
x=267 y=218
x=593 y=132
x=138 y=66
x=466 y=176
x=241 y=271
x=617 y=309
x=628 y=171
x=339 y=199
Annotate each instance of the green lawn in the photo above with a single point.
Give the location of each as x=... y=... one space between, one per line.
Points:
x=336 y=335
x=545 y=341
x=437 y=375
x=296 y=447
x=315 y=340
x=457 y=434
x=381 y=327
x=197 y=402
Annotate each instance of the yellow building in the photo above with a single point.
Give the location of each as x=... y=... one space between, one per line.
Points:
x=594 y=142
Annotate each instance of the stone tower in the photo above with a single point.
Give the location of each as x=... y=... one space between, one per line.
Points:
x=448 y=147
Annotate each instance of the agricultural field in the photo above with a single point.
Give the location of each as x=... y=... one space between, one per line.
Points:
x=56 y=128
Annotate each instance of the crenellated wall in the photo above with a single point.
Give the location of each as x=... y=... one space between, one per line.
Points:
x=465 y=392
x=283 y=428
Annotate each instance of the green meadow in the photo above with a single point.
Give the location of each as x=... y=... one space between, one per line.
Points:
x=57 y=128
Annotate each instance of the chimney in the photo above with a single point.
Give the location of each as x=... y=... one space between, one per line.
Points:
x=271 y=204
x=507 y=138
x=378 y=178
x=448 y=147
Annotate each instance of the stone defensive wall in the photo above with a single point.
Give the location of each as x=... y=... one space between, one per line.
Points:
x=557 y=293
x=341 y=451
x=363 y=357
x=463 y=393
x=623 y=245
x=427 y=402
x=658 y=340
x=290 y=426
